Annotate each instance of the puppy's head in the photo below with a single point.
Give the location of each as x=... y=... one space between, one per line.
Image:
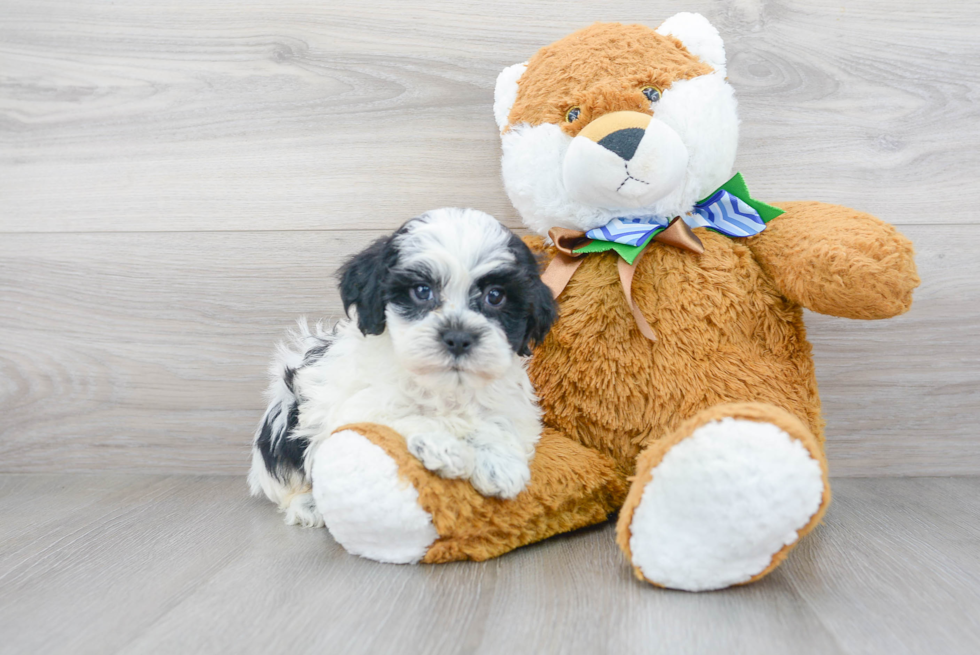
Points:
x=456 y=291
x=617 y=121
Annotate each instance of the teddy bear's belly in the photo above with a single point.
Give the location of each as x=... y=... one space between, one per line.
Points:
x=724 y=335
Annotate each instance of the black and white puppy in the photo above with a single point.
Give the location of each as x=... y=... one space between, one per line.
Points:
x=441 y=314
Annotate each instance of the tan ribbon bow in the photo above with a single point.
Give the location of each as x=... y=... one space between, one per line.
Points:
x=566 y=261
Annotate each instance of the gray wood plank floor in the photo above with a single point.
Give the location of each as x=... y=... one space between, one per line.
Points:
x=184 y=564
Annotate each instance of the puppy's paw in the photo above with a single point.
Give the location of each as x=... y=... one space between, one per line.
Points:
x=503 y=475
x=301 y=510
x=442 y=453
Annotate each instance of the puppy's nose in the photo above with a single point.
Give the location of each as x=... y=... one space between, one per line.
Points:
x=623 y=142
x=619 y=132
x=458 y=342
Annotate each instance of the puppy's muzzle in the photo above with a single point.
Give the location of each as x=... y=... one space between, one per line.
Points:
x=459 y=342
x=619 y=132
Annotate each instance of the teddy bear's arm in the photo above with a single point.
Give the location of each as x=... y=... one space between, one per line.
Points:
x=380 y=502
x=837 y=261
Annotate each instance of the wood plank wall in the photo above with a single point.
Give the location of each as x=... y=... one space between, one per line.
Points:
x=179 y=180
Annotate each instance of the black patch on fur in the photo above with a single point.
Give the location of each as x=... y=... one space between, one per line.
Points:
x=281 y=453
x=314 y=353
x=372 y=280
x=529 y=310
x=399 y=287
x=287 y=377
x=363 y=280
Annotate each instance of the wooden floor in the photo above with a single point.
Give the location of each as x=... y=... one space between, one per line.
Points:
x=182 y=564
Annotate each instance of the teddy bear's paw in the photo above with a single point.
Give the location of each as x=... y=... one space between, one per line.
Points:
x=442 y=453
x=502 y=475
x=368 y=509
x=722 y=503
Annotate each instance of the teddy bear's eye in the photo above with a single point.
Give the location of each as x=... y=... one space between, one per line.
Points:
x=652 y=93
x=572 y=114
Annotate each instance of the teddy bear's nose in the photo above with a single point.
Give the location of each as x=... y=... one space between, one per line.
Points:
x=618 y=131
x=623 y=142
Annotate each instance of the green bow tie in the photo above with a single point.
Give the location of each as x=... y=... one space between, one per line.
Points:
x=728 y=210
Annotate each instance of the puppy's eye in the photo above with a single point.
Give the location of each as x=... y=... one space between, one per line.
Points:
x=494 y=297
x=422 y=293
x=651 y=92
x=572 y=114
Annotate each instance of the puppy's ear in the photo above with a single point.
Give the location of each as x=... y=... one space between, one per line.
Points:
x=362 y=283
x=542 y=310
x=542 y=314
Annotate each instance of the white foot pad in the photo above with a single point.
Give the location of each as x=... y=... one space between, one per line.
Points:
x=366 y=507
x=721 y=503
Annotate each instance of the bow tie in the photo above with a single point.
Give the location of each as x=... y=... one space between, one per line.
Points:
x=729 y=210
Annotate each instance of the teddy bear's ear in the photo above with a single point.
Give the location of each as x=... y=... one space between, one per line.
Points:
x=505 y=93
x=699 y=37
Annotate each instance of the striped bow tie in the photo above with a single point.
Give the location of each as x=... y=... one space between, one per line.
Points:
x=729 y=210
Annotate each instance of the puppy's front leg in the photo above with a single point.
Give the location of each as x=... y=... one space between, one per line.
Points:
x=439 y=451
x=502 y=466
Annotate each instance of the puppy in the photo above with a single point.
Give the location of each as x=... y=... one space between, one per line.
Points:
x=440 y=317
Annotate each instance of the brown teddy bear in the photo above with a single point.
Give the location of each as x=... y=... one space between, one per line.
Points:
x=677 y=385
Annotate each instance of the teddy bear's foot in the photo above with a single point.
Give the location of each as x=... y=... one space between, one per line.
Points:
x=723 y=500
x=368 y=509
x=380 y=502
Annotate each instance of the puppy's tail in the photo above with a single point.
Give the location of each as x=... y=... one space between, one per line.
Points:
x=277 y=452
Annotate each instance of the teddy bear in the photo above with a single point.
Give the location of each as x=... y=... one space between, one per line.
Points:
x=677 y=386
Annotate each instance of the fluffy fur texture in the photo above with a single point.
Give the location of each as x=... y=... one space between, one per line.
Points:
x=731 y=345
x=572 y=487
x=728 y=330
x=600 y=69
x=721 y=503
x=505 y=93
x=556 y=177
x=442 y=313
x=632 y=534
x=370 y=510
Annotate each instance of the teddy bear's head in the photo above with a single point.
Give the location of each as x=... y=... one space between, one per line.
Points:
x=617 y=121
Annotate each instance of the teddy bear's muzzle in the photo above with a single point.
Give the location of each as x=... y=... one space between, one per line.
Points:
x=619 y=131
x=624 y=160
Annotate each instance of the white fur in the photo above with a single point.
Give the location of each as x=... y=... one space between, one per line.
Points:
x=721 y=503
x=687 y=152
x=599 y=177
x=368 y=509
x=474 y=418
x=699 y=37
x=292 y=495
x=441 y=415
x=505 y=92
